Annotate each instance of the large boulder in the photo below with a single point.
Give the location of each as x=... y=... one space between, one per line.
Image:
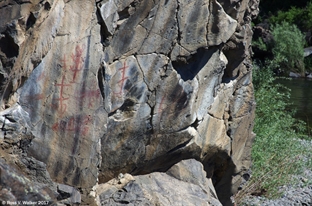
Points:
x=92 y=89
x=185 y=183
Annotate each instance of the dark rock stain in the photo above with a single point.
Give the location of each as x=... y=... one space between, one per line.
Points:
x=196 y=13
x=136 y=92
x=57 y=167
x=180 y=99
x=215 y=11
x=43 y=130
x=124 y=38
x=128 y=85
x=169 y=29
x=62 y=126
x=77 y=126
x=31 y=102
x=70 y=166
x=192 y=22
x=77 y=175
x=133 y=71
x=127 y=105
x=85 y=73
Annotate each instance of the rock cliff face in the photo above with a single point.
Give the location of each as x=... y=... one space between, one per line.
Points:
x=92 y=89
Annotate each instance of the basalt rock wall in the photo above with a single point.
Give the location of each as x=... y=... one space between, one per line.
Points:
x=91 y=89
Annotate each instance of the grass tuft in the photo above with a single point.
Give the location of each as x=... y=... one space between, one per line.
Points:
x=277 y=153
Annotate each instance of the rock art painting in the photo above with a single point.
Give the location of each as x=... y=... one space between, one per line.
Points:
x=97 y=95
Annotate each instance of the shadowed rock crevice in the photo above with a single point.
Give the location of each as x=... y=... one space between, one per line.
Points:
x=126 y=109
x=8 y=47
x=101 y=81
x=188 y=67
x=195 y=124
x=220 y=168
x=124 y=14
x=31 y=20
x=179 y=146
x=5 y=90
x=9 y=50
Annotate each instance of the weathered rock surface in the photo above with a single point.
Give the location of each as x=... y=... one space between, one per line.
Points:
x=183 y=184
x=15 y=186
x=91 y=89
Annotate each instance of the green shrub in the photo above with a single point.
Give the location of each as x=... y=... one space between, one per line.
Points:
x=292 y=16
x=260 y=44
x=276 y=151
x=307 y=18
x=288 y=47
x=308 y=63
x=302 y=17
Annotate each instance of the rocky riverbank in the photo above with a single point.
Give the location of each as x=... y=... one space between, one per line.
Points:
x=298 y=193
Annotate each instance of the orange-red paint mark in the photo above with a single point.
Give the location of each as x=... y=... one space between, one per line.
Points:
x=85 y=129
x=41 y=76
x=64 y=62
x=77 y=58
x=160 y=109
x=82 y=127
x=121 y=82
x=55 y=126
x=61 y=105
x=71 y=124
x=91 y=96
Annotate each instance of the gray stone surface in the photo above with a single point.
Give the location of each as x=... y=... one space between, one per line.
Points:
x=15 y=187
x=183 y=184
x=90 y=89
x=68 y=194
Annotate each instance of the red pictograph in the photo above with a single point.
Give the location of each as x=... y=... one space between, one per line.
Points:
x=78 y=60
x=64 y=62
x=121 y=82
x=41 y=76
x=71 y=125
x=85 y=122
x=160 y=109
x=90 y=95
x=61 y=106
x=55 y=126
x=77 y=123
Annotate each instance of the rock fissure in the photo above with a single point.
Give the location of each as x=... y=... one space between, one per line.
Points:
x=8 y=5
x=178 y=23
x=148 y=33
x=208 y=22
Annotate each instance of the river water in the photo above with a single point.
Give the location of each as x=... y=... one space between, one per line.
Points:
x=301 y=97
